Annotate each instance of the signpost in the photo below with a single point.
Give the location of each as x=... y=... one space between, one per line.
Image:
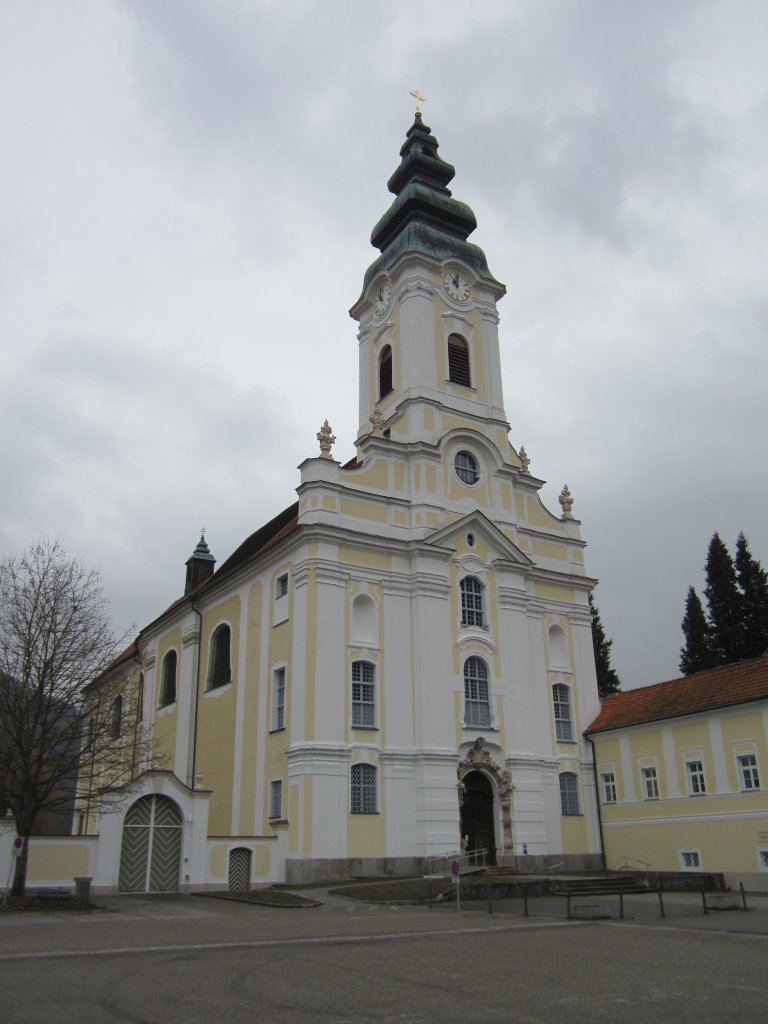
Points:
x=456 y=872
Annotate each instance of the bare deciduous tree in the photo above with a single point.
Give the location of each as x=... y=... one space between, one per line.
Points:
x=55 y=638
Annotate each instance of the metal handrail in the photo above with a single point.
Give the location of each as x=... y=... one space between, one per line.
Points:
x=469 y=861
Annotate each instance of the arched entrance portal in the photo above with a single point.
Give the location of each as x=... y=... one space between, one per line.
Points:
x=477 y=823
x=150 y=856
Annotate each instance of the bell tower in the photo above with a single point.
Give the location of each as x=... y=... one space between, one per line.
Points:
x=429 y=346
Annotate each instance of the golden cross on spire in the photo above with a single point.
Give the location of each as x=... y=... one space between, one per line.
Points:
x=419 y=99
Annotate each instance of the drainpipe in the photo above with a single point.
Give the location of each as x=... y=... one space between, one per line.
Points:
x=597 y=799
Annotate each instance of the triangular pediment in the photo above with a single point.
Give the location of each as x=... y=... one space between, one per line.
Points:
x=480 y=525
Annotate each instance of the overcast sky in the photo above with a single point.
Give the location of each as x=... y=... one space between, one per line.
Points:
x=187 y=190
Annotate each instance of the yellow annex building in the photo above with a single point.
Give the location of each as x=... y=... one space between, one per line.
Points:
x=400 y=663
x=682 y=769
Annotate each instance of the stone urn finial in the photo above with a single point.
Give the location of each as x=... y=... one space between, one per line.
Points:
x=327 y=439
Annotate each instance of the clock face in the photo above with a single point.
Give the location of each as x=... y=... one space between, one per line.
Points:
x=456 y=286
x=381 y=299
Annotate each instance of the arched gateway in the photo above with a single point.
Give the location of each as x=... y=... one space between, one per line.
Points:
x=481 y=780
x=150 y=857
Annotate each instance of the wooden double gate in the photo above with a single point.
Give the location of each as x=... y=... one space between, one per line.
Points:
x=150 y=856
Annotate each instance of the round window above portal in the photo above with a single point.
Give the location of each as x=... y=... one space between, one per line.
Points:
x=465 y=465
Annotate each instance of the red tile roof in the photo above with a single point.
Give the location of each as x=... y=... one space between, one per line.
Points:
x=739 y=683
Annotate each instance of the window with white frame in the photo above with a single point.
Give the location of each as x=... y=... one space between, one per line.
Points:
x=696 y=783
x=220 y=666
x=363 y=694
x=561 y=700
x=280 y=609
x=363 y=789
x=278 y=698
x=650 y=783
x=276 y=798
x=569 y=793
x=168 y=680
x=750 y=778
x=471 y=601
x=465 y=465
x=477 y=707
x=608 y=782
x=690 y=860
x=762 y=857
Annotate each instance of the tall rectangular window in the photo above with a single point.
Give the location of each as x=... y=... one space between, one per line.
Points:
x=608 y=780
x=569 y=793
x=477 y=707
x=363 y=694
x=471 y=601
x=750 y=778
x=696 y=784
x=276 y=798
x=278 y=699
x=650 y=783
x=561 y=699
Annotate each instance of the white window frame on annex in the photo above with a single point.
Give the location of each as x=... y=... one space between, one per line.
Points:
x=608 y=786
x=278 y=697
x=695 y=775
x=651 y=792
x=748 y=774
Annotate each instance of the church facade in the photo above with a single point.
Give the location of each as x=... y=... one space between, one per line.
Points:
x=400 y=663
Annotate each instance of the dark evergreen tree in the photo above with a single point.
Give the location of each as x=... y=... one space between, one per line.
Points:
x=725 y=604
x=753 y=583
x=696 y=653
x=607 y=679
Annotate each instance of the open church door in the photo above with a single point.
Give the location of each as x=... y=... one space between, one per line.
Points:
x=477 y=818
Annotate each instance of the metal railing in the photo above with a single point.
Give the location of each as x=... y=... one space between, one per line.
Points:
x=629 y=861
x=441 y=864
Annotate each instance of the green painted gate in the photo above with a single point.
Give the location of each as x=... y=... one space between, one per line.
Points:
x=150 y=857
x=239 y=869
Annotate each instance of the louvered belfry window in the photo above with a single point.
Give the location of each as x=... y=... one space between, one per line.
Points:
x=458 y=361
x=385 y=371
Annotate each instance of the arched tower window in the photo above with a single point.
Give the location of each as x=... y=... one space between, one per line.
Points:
x=168 y=682
x=220 y=671
x=363 y=789
x=116 y=718
x=471 y=601
x=477 y=705
x=385 y=371
x=458 y=361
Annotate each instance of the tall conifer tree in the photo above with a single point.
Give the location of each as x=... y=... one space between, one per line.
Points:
x=725 y=604
x=696 y=653
x=753 y=582
x=608 y=681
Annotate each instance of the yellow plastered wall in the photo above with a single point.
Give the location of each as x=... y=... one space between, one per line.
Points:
x=279 y=656
x=216 y=719
x=744 y=733
x=251 y=724
x=60 y=860
x=165 y=720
